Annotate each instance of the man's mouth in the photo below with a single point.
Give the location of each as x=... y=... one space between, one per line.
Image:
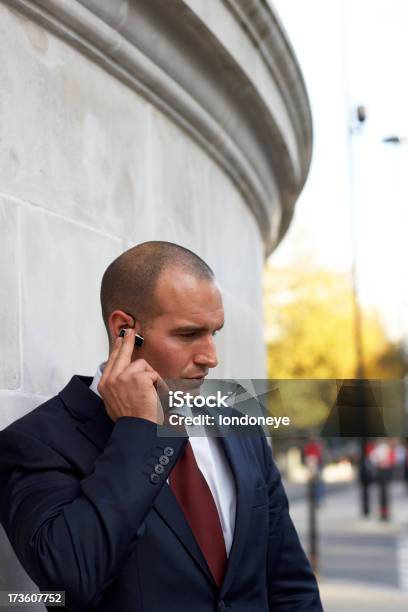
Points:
x=186 y=383
x=198 y=377
x=195 y=381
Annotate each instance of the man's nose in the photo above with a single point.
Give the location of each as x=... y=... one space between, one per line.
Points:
x=207 y=355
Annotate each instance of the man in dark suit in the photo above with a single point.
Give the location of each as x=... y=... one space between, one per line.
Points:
x=100 y=502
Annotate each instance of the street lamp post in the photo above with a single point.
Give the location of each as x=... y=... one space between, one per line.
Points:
x=358 y=120
x=396 y=140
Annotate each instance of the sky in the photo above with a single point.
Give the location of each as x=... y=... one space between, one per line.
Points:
x=354 y=52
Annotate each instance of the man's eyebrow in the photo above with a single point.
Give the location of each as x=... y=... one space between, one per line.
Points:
x=188 y=328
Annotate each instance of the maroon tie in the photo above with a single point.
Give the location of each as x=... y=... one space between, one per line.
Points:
x=194 y=496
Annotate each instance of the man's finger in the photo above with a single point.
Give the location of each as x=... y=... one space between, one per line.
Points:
x=124 y=356
x=112 y=357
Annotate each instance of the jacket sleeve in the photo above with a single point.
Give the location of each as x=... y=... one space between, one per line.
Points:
x=292 y=585
x=71 y=534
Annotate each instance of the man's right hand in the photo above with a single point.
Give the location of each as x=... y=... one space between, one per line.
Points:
x=128 y=388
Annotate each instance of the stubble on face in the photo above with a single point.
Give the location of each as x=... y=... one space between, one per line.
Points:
x=178 y=338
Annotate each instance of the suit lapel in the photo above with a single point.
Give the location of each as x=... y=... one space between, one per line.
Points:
x=235 y=450
x=88 y=410
x=167 y=506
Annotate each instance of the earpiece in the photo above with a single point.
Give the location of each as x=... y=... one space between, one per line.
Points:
x=139 y=340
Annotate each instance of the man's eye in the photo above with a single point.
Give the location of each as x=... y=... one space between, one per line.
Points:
x=192 y=334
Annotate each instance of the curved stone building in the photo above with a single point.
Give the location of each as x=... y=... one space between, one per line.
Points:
x=130 y=120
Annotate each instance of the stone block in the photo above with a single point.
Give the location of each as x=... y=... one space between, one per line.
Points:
x=9 y=296
x=63 y=332
x=193 y=203
x=175 y=173
x=233 y=246
x=82 y=154
x=246 y=356
x=15 y=405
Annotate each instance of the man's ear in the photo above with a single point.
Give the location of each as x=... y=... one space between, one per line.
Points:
x=118 y=320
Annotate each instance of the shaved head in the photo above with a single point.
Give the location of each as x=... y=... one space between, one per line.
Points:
x=129 y=282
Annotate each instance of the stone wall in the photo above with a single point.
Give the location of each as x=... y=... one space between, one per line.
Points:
x=182 y=128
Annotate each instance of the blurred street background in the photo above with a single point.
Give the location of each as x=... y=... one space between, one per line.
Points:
x=336 y=297
x=361 y=562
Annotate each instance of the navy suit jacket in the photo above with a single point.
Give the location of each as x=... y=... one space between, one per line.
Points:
x=84 y=515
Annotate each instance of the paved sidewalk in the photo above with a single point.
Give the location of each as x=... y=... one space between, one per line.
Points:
x=343 y=596
x=363 y=563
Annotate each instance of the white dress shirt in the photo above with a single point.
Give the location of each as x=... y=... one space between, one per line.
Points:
x=215 y=468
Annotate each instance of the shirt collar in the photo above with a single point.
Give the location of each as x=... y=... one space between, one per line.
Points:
x=97 y=378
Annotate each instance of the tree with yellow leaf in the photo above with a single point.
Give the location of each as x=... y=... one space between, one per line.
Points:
x=309 y=324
